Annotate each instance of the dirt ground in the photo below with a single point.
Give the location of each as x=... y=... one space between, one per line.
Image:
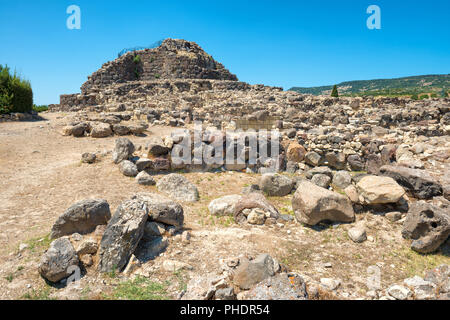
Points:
x=41 y=175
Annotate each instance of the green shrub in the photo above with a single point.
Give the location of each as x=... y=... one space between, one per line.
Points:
x=16 y=94
x=40 y=108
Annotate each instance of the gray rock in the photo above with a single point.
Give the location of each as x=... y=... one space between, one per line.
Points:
x=82 y=217
x=275 y=184
x=355 y=162
x=88 y=157
x=225 y=294
x=313 y=204
x=423 y=290
x=252 y=272
x=145 y=179
x=280 y=287
x=178 y=187
x=313 y=158
x=357 y=234
x=87 y=246
x=123 y=150
x=342 y=179
x=319 y=170
x=162 y=209
x=399 y=292
x=58 y=261
x=419 y=182
x=128 y=168
x=121 y=130
x=336 y=160
x=321 y=180
x=122 y=235
x=427 y=225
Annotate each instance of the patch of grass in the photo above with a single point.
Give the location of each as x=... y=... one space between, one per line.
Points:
x=415 y=263
x=139 y=289
x=39 y=243
x=41 y=294
x=9 y=277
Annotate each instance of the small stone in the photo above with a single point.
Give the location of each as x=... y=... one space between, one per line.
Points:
x=399 y=292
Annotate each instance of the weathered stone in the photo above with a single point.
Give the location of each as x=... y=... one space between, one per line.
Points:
x=321 y=180
x=145 y=179
x=336 y=160
x=419 y=182
x=275 y=184
x=342 y=179
x=355 y=162
x=254 y=200
x=87 y=246
x=358 y=233
x=121 y=130
x=313 y=204
x=162 y=209
x=280 y=287
x=128 y=168
x=427 y=225
x=101 y=130
x=252 y=272
x=59 y=261
x=313 y=158
x=256 y=216
x=88 y=157
x=399 y=292
x=295 y=152
x=122 y=235
x=82 y=217
x=224 y=206
x=379 y=190
x=123 y=150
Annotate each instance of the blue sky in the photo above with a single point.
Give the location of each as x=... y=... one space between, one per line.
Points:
x=279 y=43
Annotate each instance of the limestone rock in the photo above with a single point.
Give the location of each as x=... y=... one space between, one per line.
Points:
x=224 y=206
x=313 y=204
x=123 y=150
x=379 y=190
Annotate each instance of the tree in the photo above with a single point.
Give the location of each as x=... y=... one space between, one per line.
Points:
x=334 y=92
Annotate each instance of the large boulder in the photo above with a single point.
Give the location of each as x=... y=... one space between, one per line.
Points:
x=122 y=235
x=379 y=190
x=275 y=184
x=251 y=272
x=342 y=179
x=178 y=187
x=123 y=150
x=162 y=209
x=58 y=261
x=427 y=225
x=224 y=206
x=279 y=287
x=82 y=217
x=419 y=182
x=313 y=204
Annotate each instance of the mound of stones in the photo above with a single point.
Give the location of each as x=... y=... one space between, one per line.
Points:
x=87 y=236
x=104 y=125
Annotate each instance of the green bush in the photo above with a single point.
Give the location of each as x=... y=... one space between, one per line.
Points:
x=40 y=108
x=16 y=94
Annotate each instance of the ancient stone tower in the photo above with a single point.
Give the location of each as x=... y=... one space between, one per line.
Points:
x=174 y=59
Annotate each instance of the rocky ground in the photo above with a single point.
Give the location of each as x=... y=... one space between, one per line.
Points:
x=207 y=254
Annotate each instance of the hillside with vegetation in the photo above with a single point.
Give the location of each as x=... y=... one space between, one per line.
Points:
x=418 y=87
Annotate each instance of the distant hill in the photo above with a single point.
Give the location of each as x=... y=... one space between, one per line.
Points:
x=418 y=86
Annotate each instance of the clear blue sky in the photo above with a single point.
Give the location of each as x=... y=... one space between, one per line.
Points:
x=280 y=43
